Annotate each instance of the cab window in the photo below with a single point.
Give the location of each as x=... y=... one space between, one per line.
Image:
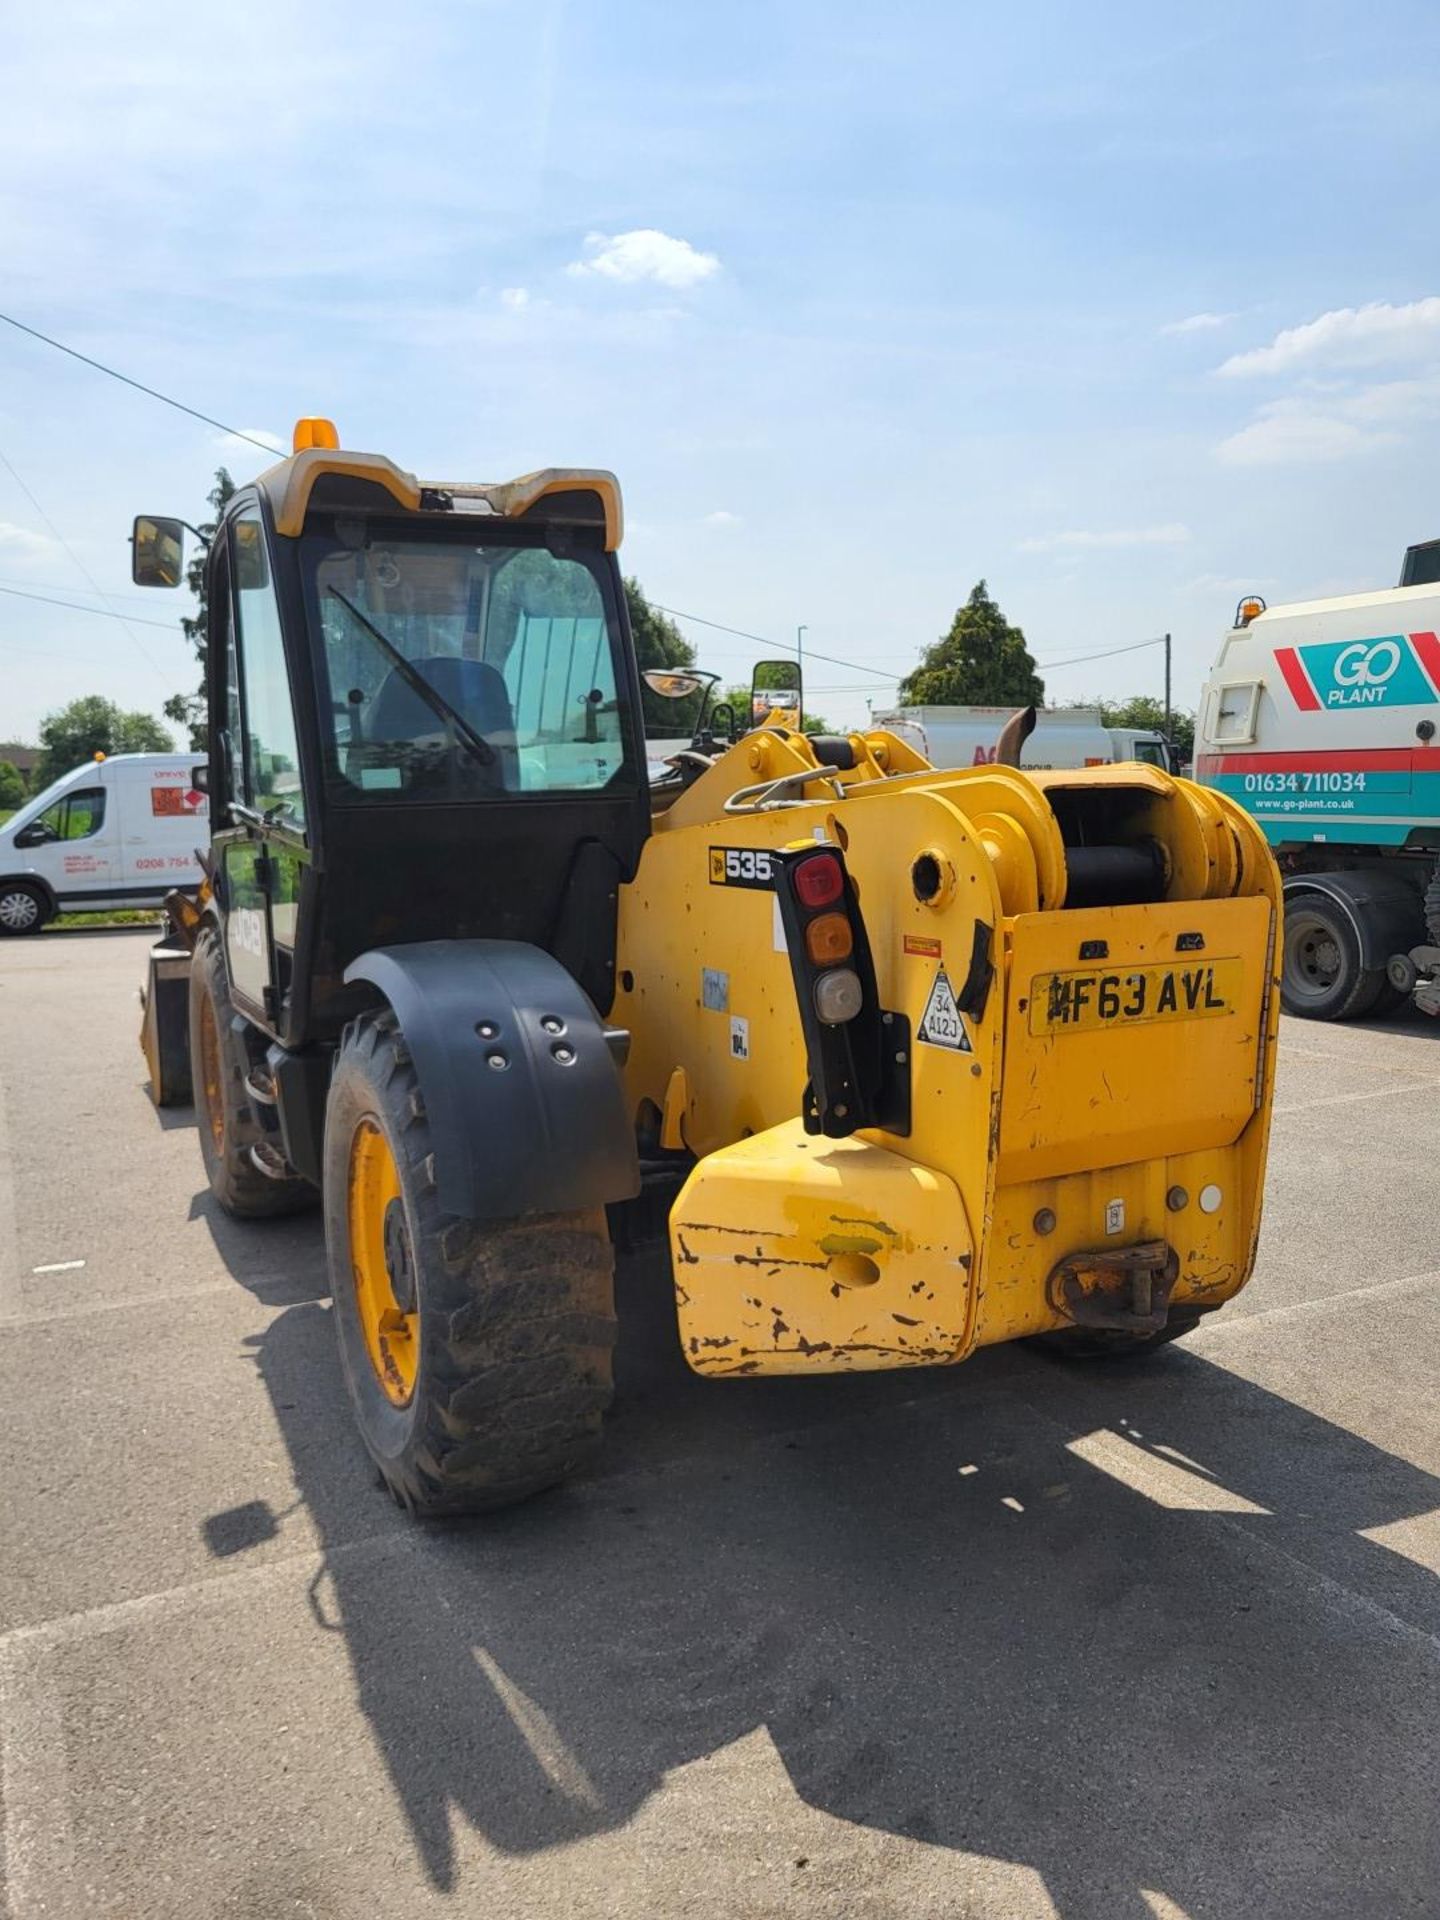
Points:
x=270 y=762
x=457 y=671
x=76 y=817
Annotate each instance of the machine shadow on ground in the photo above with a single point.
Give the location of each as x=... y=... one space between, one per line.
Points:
x=952 y=1626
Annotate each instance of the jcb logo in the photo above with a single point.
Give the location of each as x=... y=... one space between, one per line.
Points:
x=741 y=867
x=1362 y=665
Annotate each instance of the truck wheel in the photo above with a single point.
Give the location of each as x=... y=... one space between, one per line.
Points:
x=477 y=1353
x=23 y=908
x=227 y=1125
x=1321 y=977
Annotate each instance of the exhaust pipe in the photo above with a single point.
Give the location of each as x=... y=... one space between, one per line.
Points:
x=1013 y=735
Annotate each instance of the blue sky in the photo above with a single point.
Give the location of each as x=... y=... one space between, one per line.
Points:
x=1127 y=309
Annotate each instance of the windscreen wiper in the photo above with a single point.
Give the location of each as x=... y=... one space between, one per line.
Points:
x=416 y=681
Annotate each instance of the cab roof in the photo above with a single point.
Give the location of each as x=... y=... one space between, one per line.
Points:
x=366 y=482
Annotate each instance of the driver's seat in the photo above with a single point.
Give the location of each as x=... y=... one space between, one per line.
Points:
x=475 y=689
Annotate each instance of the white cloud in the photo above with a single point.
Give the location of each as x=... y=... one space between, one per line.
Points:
x=1199 y=323
x=722 y=518
x=20 y=545
x=645 y=254
x=515 y=298
x=1366 y=336
x=240 y=442
x=1172 y=534
x=1328 y=426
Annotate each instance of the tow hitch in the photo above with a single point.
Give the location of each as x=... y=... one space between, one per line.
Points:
x=1119 y=1289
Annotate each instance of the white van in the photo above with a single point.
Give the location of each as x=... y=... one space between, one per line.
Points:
x=114 y=833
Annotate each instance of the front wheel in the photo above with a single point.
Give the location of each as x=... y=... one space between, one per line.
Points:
x=477 y=1353
x=23 y=908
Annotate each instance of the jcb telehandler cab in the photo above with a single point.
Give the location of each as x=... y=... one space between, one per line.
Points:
x=925 y=1060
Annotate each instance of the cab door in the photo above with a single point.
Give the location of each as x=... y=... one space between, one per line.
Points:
x=263 y=855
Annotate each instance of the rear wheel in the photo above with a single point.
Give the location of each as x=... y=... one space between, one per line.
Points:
x=1322 y=976
x=23 y=908
x=219 y=1063
x=477 y=1353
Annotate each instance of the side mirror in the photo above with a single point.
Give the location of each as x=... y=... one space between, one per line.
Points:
x=200 y=777
x=37 y=834
x=776 y=694
x=157 y=552
x=674 y=683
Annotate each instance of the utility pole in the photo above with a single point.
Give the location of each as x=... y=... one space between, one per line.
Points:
x=1167 y=686
x=800 y=633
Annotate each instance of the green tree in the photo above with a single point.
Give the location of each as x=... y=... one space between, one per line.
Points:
x=91 y=725
x=981 y=661
x=188 y=709
x=12 y=787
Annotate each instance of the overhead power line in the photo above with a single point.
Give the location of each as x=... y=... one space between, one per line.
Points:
x=1080 y=658
x=786 y=646
x=78 y=563
x=139 y=385
x=105 y=613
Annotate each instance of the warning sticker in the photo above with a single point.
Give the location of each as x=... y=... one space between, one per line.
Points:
x=926 y=948
x=941 y=1024
x=739 y=1038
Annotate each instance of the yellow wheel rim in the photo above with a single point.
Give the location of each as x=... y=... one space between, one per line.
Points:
x=210 y=1085
x=382 y=1262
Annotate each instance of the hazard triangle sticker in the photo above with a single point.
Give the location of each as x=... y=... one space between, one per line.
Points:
x=942 y=1024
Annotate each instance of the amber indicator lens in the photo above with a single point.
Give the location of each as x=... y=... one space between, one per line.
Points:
x=828 y=938
x=818 y=881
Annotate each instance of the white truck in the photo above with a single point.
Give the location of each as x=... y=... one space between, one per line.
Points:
x=1063 y=737
x=1320 y=719
x=117 y=832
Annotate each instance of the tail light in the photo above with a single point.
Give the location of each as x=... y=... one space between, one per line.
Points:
x=857 y=1052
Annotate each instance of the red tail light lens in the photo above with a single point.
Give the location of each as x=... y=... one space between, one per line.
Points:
x=818 y=881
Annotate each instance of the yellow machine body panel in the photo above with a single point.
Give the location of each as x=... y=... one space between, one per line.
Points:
x=824 y=1255
x=1098 y=1112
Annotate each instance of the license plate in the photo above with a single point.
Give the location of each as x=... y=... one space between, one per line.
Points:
x=1128 y=996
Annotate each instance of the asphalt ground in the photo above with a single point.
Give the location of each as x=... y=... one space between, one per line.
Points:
x=1025 y=1638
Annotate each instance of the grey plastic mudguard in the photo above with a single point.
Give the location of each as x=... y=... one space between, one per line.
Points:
x=518 y=1127
x=1384 y=912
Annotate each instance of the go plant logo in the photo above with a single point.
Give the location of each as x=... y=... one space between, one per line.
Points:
x=1386 y=670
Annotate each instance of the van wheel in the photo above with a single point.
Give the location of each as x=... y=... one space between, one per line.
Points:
x=23 y=908
x=1321 y=976
x=227 y=1125
x=477 y=1353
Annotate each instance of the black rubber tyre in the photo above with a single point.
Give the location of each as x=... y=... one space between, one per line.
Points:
x=23 y=908
x=1321 y=976
x=225 y=1119
x=516 y=1318
x=1095 y=1343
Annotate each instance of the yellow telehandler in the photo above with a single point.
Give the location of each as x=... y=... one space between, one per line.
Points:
x=913 y=1062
